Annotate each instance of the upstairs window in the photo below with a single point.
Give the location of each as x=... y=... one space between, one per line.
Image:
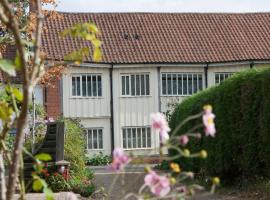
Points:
x=136 y=137
x=89 y=85
x=181 y=84
x=219 y=77
x=135 y=85
x=94 y=138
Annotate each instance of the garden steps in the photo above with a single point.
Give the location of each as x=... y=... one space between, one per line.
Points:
x=53 y=144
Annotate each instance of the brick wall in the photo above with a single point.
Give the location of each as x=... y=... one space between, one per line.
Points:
x=53 y=99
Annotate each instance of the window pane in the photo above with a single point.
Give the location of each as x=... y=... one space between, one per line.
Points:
x=185 y=84
x=90 y=139
x=180 y=84
x=164 y=84
x=124 y=139
x=138 y=85
x=148 y=137
x=195 y=82
x=190 y=84
x=100 y=139
x=129 y=135
x=78 y=85
x=217 y=78
x=147 y=84
x=144 y=137
x=142 y=85
x=169 y=84
x=132 y=85
x=94 y=89
x=95 y=138
x=127 y=85
x=73 y=86
x=139 y=136
x=89 y=87
x=123 y=85
x=200 y=82
x=84 y=86
x=99 y=86
x=134 y=140
x=174 y=90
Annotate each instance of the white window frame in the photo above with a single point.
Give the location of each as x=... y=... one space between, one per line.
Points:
x=182 y=76
x=136 y=128
x=140 y=88
x=98 y=143
x=225 y=75
x=81 y=88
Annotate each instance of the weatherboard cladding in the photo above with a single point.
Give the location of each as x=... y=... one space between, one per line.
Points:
x=166 y=37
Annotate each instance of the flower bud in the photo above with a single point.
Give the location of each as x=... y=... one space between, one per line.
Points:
x=184 y=140
x=203 y=154
x=147 y=169
x=186 y=152
x=172 y=181
x=215 y=181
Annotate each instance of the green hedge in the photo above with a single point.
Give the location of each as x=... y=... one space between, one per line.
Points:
x=241 y=147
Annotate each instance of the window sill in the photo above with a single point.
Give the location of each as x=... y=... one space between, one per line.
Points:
x=94 y=149
x=186 y=95
x=73 y=97
x=146 y=96
x=135 y=149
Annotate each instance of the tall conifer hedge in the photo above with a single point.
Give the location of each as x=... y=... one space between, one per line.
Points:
x=241 y=147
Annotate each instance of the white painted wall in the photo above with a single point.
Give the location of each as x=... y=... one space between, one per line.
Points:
x=103 y=123
x=86 y=107
x=224 y=68
x=129 y=111
x=134 y=111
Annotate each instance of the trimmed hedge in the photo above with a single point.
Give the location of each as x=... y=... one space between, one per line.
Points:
x=241 y=147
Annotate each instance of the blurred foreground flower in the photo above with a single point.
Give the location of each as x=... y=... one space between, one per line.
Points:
x=160 y=124
x=120 y=159
x=159 y=185
x=208 y=121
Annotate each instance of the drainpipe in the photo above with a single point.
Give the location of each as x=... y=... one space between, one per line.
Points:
x=251 y=65
x=159 y=86
x=206 y=75
x=112 y=113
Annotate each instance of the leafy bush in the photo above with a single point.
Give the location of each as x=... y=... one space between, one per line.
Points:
x=81 y=177
x=99 y=160
x=57 y=182
x=242 y=107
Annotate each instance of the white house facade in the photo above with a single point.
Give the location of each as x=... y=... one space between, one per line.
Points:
x=150 y=62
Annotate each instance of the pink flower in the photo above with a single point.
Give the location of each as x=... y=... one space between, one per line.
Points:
x=120 y=159
x=159 y=185
x=184 y=140
x=160 y=124
x=208 y=121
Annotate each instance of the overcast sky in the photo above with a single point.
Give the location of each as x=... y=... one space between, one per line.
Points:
x=164 y=5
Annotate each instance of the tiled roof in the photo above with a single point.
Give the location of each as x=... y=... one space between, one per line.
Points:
x=167 y=37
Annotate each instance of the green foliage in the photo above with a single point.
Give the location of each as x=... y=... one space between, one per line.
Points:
x=83 y=187
x=241 y=146
x=98 y=160
x=74 y=145
x=85 y=31
x=8 y=67
x=57 y=182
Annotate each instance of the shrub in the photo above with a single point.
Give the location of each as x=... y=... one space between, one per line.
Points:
x=241 y=146
x=74 y=147
x=57 y=182
x=99 y=160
